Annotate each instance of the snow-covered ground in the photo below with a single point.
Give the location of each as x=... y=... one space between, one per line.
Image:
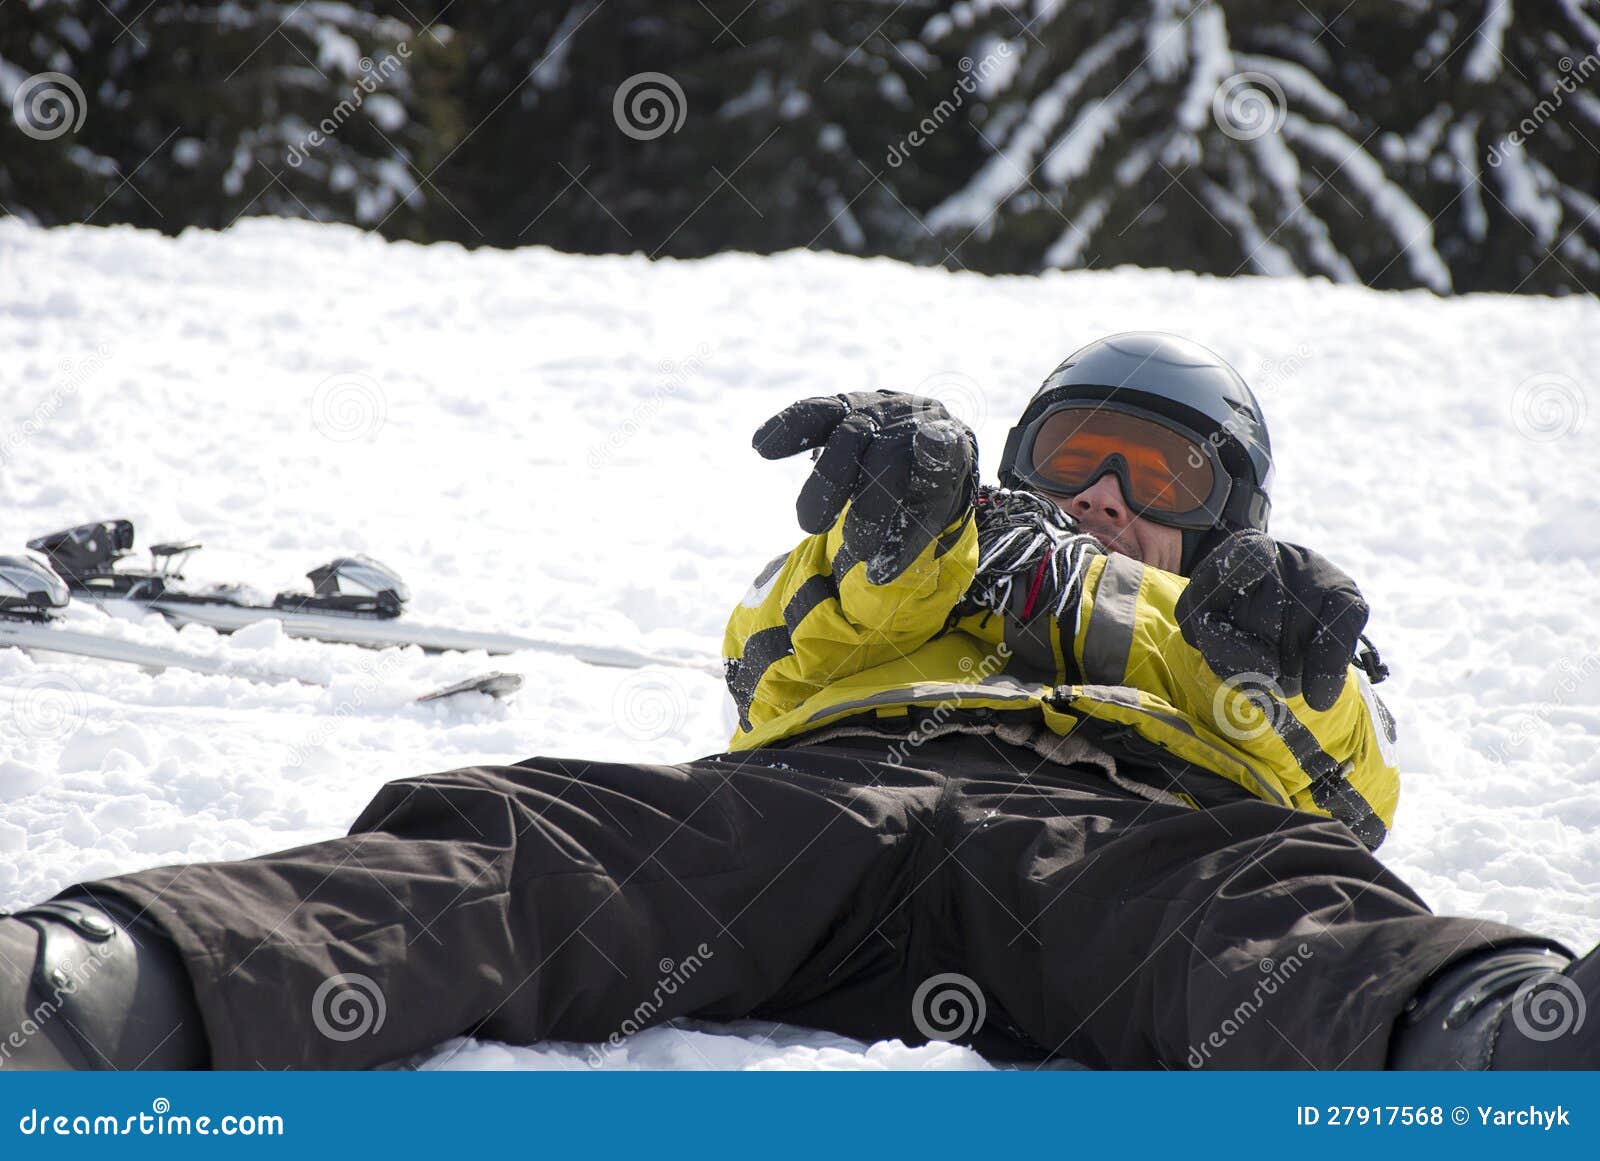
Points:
x=548 y=443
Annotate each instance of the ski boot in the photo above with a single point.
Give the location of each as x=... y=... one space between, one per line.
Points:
x=88 y=986
x=1504 y=1009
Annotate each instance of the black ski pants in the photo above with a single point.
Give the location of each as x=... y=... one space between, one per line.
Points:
x=972 y=892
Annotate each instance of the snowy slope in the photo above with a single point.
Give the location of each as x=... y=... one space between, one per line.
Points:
x=542 y=442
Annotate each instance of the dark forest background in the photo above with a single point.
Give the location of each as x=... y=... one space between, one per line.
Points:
x=1453 y=146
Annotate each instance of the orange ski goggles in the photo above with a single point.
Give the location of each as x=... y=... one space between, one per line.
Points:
x=1168 y=473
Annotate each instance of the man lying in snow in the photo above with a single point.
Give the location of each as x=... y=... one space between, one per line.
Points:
x=1131 y=815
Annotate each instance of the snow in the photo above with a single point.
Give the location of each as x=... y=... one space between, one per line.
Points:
x=1402 y=217
x=1525 y=187
x=1005 y=172
x=1488 y=44
x=559 y=445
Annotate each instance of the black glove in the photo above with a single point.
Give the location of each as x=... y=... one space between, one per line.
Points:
x=1259 y=606
x=905 y=464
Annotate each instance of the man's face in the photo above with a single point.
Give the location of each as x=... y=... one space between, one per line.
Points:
x=1102 y=511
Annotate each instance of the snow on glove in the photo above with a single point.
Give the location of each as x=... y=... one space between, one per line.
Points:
x=904 y=464
x=1256 y=605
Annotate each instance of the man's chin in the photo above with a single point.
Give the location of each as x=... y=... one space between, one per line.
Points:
x=1115 y=545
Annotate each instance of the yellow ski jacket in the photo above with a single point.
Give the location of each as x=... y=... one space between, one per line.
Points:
x=813 y=643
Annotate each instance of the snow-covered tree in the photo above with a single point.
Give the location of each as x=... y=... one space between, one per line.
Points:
x=680 y=127
x=1447 y=144
x=1183 y=133
x=184 y=113
x=1495 y=127
x=1352 y=141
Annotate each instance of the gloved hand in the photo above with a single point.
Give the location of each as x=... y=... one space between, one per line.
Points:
x=1256 y=605
x=906 y=466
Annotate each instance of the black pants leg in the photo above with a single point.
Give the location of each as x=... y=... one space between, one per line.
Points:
x=563 y=899
x=555 y=899
x=1124 y=933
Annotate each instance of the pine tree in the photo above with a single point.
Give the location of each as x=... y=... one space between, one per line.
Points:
x=1381 y=144
x=682 y=128
x=195 y=113
x=1497 y=130
x=1187 y=133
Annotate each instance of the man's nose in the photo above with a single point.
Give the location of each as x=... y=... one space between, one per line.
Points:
x=1101 y=501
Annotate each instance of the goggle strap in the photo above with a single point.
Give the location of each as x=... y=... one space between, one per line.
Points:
x=1013 y=448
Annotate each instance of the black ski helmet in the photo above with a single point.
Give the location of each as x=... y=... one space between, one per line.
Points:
x=1173 y=381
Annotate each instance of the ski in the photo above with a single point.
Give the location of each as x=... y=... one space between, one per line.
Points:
x=354 y=600
x=31 y=594
x=497 y=685
x=391 y=633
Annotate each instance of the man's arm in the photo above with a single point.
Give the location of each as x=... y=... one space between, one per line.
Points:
x=892 y=548
x=812 y=617
x=1119 y=625
x=1337 y=761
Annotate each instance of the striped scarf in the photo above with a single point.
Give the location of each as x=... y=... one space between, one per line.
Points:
x=1026 y=545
